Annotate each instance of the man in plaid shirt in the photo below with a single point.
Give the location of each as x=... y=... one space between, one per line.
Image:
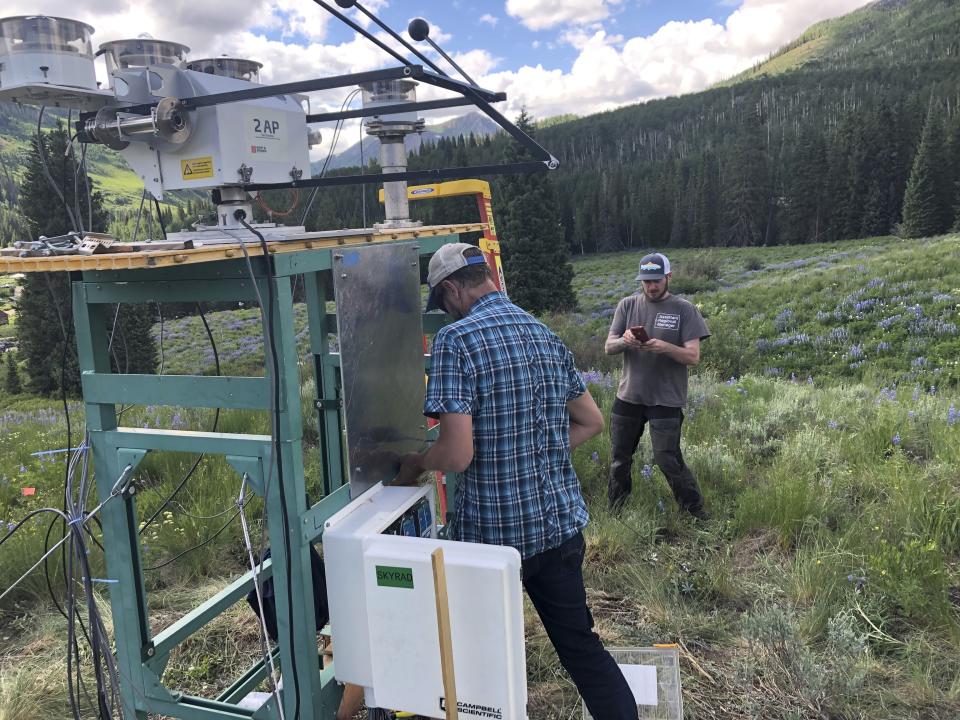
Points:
x=512 y=406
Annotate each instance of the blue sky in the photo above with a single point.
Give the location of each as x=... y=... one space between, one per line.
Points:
x=508 y=38
x=549 y=56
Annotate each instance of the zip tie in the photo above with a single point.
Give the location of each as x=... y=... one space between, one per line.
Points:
x=105 y=581
x=76 y=520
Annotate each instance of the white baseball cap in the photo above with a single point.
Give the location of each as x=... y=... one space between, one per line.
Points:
x=446 y=261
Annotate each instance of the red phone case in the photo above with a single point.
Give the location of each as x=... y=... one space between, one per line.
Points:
x=640 y=333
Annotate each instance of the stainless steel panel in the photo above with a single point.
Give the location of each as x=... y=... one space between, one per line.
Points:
x=377 y=291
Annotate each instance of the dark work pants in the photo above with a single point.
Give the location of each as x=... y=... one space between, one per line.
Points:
x=554 y=582
x=626 y=427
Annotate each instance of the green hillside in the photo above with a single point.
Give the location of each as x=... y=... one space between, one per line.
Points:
x=883 y=33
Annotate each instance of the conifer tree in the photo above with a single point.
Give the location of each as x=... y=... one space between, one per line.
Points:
x=745 y=189
x=953 y=155
x=926 y=204
x=536 y=258
x=45 y=334
x=13 y=375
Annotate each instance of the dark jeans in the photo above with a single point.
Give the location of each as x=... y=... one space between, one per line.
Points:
x=626 y=427
x=554 y=582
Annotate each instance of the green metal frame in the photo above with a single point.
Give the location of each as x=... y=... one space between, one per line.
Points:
x=141 y=656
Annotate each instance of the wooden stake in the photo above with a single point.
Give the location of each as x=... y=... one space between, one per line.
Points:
x=443 y=627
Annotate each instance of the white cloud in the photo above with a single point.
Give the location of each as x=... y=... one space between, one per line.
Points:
x=544 y=14
x=678 y=58
x=609 y=71
x=489 y=19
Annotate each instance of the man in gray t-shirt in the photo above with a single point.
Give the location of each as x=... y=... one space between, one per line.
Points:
x=654 y=384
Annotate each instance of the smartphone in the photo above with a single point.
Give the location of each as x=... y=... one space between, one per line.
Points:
x=640 y=333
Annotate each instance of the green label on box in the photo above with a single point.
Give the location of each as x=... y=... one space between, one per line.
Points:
x=398 y=577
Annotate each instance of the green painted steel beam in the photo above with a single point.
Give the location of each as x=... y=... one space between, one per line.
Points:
x=193 y=708
x=303 y=262
x=250 y=680
x=190 y=441
x=197 y=618
x=315 y=517
x=200 y=391
x=170 y=291
x=235 y=269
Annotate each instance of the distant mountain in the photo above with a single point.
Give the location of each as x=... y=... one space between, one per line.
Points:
x=474 y=122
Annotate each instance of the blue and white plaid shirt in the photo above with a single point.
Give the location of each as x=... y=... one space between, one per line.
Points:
x=514 y=376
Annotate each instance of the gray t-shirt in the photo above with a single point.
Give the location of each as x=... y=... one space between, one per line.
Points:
x=649 y=378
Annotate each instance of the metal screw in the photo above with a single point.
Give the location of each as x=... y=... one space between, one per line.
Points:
x=151 y=651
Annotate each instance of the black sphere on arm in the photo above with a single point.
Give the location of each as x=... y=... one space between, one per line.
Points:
x=346 y=4
x=419 y=29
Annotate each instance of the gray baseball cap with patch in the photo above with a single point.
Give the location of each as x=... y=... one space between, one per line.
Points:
x=654 y=266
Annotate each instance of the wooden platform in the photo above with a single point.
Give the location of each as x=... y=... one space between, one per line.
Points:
x=223 y=251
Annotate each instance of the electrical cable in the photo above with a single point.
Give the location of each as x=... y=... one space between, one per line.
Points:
x=136 y=230
x=333 y=144
x=41 y=150
x=261 y=201
x=68 y=152
x=163 y=228
x=216 y=420
x=205 y=542
x=273 y=365
x=263 y=632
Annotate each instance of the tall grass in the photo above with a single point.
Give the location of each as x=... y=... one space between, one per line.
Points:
x=827 y=584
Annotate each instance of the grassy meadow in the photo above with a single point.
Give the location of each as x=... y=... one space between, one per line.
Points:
x=823 y=425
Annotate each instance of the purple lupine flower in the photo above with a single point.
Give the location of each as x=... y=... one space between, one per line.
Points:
x=952 y=416
x=833 y=424
x=660 y=506
x=647 y=471
x=595 y=456
x=896 y=439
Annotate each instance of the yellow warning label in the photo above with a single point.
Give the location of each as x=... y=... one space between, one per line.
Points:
x=197 y=168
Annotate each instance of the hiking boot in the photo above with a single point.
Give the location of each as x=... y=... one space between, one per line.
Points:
x=699 y=513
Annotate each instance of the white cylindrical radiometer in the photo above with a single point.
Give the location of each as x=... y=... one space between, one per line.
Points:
x=45 y=49
x=389 y=92
x=235 y=68
x=142 y=52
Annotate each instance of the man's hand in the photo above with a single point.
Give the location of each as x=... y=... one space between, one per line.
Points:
x=616 y=345
x=631 y=341
x=411 y=470
x=658 y=346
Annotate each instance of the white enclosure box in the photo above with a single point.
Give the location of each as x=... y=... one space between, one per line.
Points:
x=383 y=613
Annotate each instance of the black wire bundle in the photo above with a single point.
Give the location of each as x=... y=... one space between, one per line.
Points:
x=80 y=598
x=267 y=315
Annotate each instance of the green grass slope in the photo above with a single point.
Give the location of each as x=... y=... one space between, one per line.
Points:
x=826 y=586
x=883 y=33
